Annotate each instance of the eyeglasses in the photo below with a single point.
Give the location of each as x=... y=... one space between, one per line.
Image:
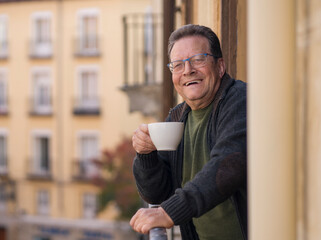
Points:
x=196 y=61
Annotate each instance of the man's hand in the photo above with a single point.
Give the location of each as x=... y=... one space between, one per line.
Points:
x=142 y=142
x=148 y=218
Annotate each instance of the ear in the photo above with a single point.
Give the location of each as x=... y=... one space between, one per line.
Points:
x=221 y=67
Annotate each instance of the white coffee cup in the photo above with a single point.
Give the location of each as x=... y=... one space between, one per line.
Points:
x=166 y=135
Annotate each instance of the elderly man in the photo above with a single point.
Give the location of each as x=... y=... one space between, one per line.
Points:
x=202 y=185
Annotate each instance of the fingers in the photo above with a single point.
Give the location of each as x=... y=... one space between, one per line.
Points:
x=148 y=218
x=142 y=142
x=139 y=222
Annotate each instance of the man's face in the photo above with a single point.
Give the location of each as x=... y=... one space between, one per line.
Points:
x=197 y=86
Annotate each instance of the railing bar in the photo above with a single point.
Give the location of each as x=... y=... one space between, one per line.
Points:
x=125 y=51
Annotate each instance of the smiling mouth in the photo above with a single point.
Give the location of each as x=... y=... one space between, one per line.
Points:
x=192 y=82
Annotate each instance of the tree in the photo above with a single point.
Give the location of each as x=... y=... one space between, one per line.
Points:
x=117 y=181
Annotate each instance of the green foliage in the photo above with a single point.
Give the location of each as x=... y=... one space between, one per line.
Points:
x=118 y=183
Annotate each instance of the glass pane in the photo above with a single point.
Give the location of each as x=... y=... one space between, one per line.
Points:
x=43 y=202
x=89 y=32
x=89 y=205
x=88 y=85
x=44 y=153
x=3 y=90
x=41 y=91
x=42 y=30
x=3 y=30
x=3 y=152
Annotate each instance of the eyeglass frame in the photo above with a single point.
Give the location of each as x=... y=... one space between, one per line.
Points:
x=188 y=59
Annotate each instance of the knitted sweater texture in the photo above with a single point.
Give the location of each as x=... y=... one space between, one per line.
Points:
x=159 y=174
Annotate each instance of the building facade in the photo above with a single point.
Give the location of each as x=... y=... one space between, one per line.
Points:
x=61 y=70
x=60 y=63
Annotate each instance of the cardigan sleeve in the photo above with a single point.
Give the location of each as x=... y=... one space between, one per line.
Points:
x=153 y=177
x=153 y=173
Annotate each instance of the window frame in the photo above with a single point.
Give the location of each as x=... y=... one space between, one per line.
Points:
x=42 y=48
x=89 y=205
x=86 y=168
x=43 y=202
x=92 y=104
x=4 y=168
x=36 y=85
x=83 y=38
x=4 y=48
x=4 y=98
x=36 y=165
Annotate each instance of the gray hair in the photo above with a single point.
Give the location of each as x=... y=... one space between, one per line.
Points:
x=196 y=30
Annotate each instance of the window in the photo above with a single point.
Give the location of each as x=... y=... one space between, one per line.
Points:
x=40 y=163
x=3 y=92
x=89 y=205
x=3 y=200
x=43 y=202
x=3 y=153
x=87 y=43
x=87 y=96
x=3 y=36
x=41 y=44
x=88 y=151
x=41 y=102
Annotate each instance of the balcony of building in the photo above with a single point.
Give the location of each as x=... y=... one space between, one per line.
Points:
x=4 y=50
x=4 y=171
x=40 y=106
x=4 y=106
x=40 y=49
x=87 y=46
x=39 y=169
x=84 y=170
x=86 y=106
x=7 y=195
x=143 y=62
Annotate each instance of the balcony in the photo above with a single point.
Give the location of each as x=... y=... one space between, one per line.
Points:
x=40 y=49
x=4 y=109
x=4 y=172
x=39 y=169
x=8 y=193
x=40 y=106
x=143 y=63
x=87 y=46
x=4 y=50
x=86 y=106
x=84 y=170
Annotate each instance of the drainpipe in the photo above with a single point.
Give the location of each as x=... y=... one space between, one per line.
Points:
x=60 y=110
x=168 y=28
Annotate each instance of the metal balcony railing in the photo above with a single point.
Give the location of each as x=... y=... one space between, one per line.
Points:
x=39 y=168
x=142 y=49
x=40 y=49
x=84 y=170
x=4 y=50
x=86 y=106
x=87 y=46
x=4 y=166
x=4 y=109
x=40 y=106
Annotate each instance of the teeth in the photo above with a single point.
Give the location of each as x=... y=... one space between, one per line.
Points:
x=197 y=81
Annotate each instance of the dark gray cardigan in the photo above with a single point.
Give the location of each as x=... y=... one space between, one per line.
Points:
x=159 y=174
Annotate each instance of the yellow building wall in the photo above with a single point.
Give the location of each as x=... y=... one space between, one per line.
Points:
x=112 y=124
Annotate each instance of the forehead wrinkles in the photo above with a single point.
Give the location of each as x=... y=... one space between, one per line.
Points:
x=189 y=46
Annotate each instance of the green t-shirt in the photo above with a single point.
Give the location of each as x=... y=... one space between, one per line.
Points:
x=221 y=222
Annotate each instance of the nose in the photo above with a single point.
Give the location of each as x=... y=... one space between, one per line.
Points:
x=188 y=68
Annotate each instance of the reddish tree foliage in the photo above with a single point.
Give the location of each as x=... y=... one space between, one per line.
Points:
x=118 y=184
